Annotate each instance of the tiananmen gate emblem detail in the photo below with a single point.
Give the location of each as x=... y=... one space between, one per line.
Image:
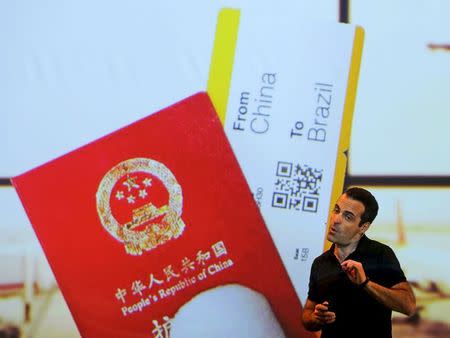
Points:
x=139 y=203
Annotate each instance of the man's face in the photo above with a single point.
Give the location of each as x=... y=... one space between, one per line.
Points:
x=345 y=221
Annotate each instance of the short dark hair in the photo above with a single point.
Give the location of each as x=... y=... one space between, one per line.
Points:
x=367 y=199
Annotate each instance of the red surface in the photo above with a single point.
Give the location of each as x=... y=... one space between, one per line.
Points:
x=90 y=265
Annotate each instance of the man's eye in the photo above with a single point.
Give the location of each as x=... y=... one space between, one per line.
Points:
x=348 y=217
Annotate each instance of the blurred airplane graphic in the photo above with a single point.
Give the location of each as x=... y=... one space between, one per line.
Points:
x=439 y=46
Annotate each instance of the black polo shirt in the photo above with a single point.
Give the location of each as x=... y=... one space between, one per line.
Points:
x=357 y=313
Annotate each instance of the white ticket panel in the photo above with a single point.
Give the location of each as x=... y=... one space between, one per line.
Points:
x=285 y=88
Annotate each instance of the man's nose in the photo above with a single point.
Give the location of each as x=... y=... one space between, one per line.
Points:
x=336 y=217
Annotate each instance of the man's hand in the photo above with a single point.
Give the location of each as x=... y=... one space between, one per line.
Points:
x=398 y=297
x=354 y=271
x=316 y=315
x=322 y=315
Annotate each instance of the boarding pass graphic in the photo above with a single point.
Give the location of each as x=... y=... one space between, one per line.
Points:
x=284 y=87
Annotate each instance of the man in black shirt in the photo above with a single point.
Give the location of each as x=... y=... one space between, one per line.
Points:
x=355 y=285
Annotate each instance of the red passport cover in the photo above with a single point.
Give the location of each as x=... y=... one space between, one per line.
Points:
x=138 y=222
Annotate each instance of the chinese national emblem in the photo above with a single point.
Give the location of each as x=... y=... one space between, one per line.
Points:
x=139 y=203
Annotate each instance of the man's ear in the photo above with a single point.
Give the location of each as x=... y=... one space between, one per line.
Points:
x=364 y=227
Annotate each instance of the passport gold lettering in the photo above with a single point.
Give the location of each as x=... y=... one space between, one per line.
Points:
x=318 y=131
x=182 y=284
x=144 y=302
x=217 y=267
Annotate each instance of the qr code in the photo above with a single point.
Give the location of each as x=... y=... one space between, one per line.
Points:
x=297 y=187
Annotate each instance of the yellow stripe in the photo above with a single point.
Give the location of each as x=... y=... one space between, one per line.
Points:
x=349 y=105
x=221 y=68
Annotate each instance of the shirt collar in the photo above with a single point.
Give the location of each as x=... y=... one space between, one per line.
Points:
x=361 y=244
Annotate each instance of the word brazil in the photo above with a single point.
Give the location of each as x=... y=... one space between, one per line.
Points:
x=318 y=132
